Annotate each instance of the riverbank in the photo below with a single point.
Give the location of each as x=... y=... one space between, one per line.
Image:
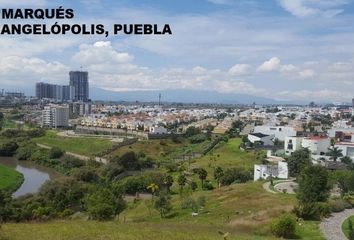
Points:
x=10 y=179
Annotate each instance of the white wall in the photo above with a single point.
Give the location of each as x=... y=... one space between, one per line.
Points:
x=295 y=142
x=279 y=132
x=316 y=145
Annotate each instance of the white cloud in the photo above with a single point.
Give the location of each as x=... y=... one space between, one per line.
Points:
x=100 y=52
x=22 y=70
x=305 y=8
x=240 y=69
x=288 y=68
x=270 y=65
x=307 y=73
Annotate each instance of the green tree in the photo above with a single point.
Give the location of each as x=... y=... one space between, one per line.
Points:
x=335 y=153
x=182 y=180
x=103 y=205
x=163 y=203
x=202 y=174
x=168 y=182
x=313 y=185
x=191 y=131
x=299 y=160
x=218 y=174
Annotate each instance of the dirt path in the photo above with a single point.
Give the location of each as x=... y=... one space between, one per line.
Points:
x=332 y=227
x=79 y=156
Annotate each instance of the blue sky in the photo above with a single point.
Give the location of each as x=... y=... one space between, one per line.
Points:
x=282 y=49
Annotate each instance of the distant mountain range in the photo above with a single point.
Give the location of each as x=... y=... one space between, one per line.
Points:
x=182 y=96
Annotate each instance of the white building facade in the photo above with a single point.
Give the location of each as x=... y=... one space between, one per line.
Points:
x=55 y=116
x=279 y=132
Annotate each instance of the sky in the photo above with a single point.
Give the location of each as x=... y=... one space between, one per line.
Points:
x=281 y=49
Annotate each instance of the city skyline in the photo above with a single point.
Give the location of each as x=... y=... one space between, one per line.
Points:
x=281 y=49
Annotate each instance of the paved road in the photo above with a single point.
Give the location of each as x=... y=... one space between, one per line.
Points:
x=81 y=157
x=332 y=227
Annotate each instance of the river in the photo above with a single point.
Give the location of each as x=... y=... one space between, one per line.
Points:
x=34 y=175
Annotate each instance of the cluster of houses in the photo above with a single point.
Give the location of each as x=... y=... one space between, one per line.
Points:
x=289 y=127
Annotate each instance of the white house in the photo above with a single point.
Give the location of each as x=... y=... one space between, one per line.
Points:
x=158 y=130
x=279 y=132
x=317 y=145
x=265 y=171
x=291 y=144
x=347 y=148
x=264 y=139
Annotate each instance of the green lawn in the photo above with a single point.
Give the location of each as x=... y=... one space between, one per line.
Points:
x=228 y=155
x=345 y=225
x=79 y=145
x=9 y=178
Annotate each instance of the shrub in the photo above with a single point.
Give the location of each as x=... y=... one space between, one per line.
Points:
x=208 y=186
x=55 y=153
x=189 y=203
x=339 y=205
x=193 y=186
x=349 y=197
x=201 y=201
x=25 y=152
x=197 y=138
x=284 y=226
x=8 y=149
x=235 y=175
x=313 y=211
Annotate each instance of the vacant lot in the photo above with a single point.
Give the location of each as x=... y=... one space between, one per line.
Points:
x=80 y=145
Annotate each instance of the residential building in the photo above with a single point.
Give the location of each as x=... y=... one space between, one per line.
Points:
x=280 y=170
x=80 y=108
x=347 y=148
x=263 y=139
x=53 y=91
x=279 y=132
x=158 y=130
x=79 y=81
x=55 y=116
x=317 y=145
x=291 y=144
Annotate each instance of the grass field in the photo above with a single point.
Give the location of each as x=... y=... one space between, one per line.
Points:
x=228 y=155
x=81 y=145
x=9 y=178
x=155 y=149
x=243 y=210
x=345 y=225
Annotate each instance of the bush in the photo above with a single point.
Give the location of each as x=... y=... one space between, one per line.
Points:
x=284 y=226
x=8 y=149
x=349 y=197
x=339 y=205
x=208 y=186
x=25 y=152
x=313 y=211
x=189 y=203
x=235 y=175
x=197 y=138
x=193 y=186
x=55 y=153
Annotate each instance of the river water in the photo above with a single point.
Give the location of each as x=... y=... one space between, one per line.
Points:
x=34 y=175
